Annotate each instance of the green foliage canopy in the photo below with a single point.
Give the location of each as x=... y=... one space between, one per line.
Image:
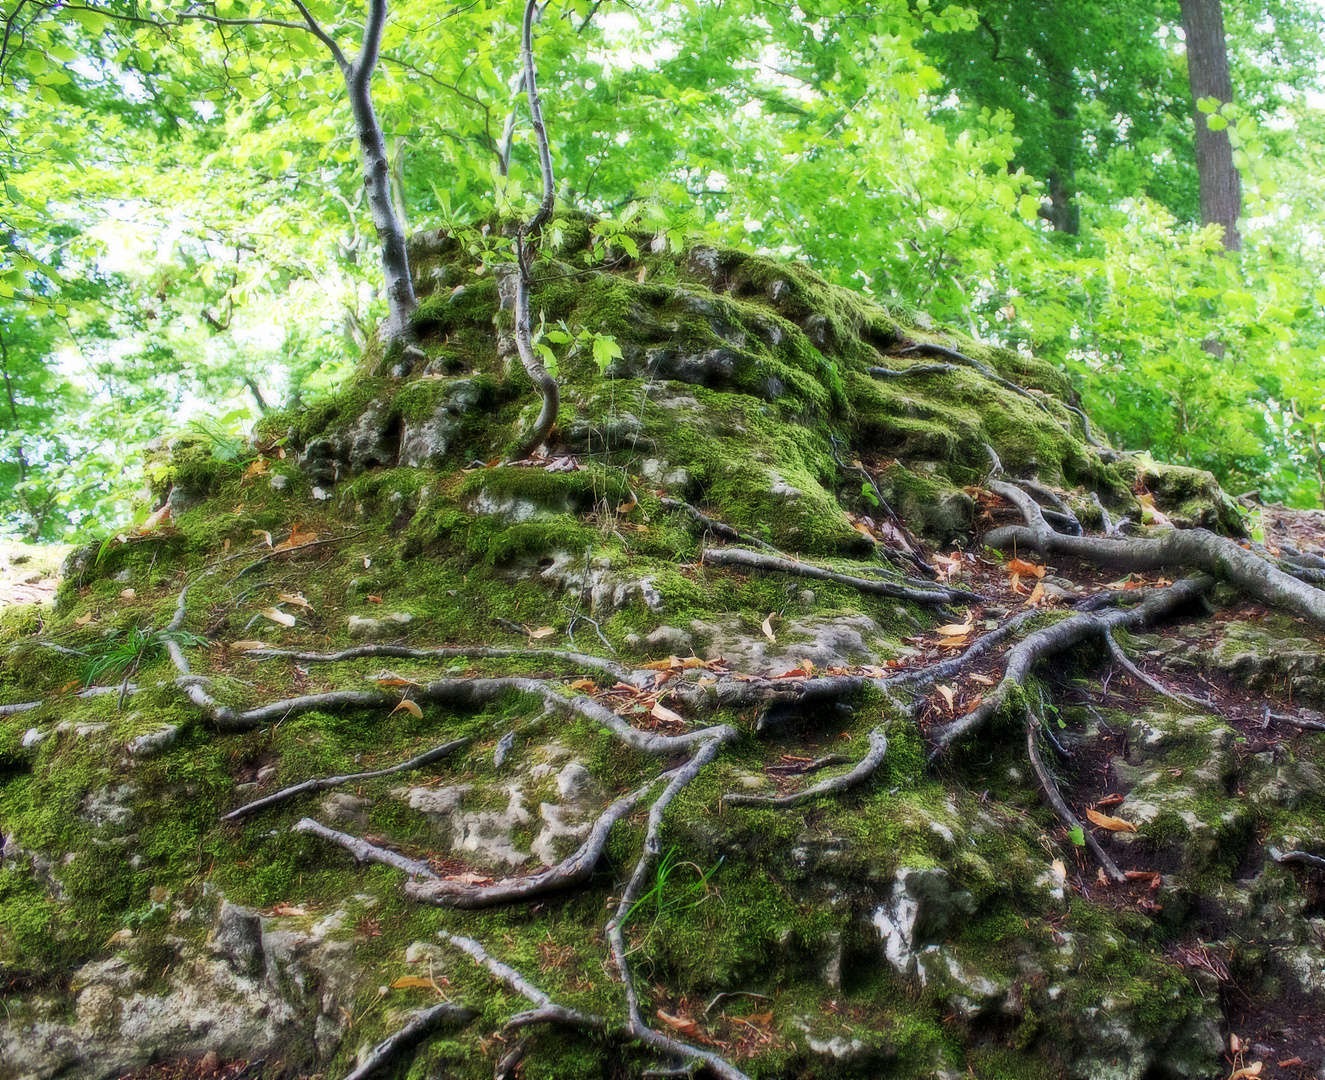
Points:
x=183 y=222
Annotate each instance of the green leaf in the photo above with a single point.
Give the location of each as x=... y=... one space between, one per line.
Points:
x=1077 y=835
x=605 y=350
x=1216 y=123
x=1028 y=206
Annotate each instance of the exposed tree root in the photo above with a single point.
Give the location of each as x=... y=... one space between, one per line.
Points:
x=1189 y=548
x=1297 y=721
x=914 y=369
x=1296 y=857
x=362 y=850
x=756 y=561
x=862 y=772
x=421 y=1025
x=984 y=369
x=1054 y=800
x=546 y=1011
x=583 y=661
x=714 y=526
x=1061 y=514
x=1120 y=658
x=22 y=706
x=325 y=782
x=1052 y=640
x=570 y=871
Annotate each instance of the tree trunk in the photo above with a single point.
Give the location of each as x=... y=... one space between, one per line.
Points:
x=377 y=176
x=1208 y=76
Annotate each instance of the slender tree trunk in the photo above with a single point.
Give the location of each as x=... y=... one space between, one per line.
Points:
x=1059 y=57
x=377 y=175
x=1208 y=76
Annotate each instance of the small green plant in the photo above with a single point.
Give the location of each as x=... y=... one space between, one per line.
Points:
x=668 y=894
x=604 y=346
x=224 y=435
x=125 y=654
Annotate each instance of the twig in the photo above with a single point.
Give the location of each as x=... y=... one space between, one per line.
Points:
x=325 y=782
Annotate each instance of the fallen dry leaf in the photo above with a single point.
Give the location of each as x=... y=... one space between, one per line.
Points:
x=1060 y=871
x=1254 y=1069
x=1116 y=799
x=411 y=707
x=584 y=684
x=983 y=680
x=295 y=598
x=956 y=629
x=663 y=713
x=686 y=1027
x=158 y=517
x=1037 y=594
x=414 y=982
x=1026 y=569
x=948 y=694
x=541 y=632
x=1291 y=1062
x=296 y=539
x=256 y=468
x=277 y=616
x=662 y=665
x=288 y=909
x=1113 y=824
x=264 y=534
x=767 y=627
x=627 y=507
x=127 y=594
x=372 y=599
x=83 y=620
x=247 y=646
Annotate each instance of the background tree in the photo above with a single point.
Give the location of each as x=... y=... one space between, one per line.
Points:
x=1211 y=83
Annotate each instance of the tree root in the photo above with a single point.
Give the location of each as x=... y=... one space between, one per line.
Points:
x=423 y=1024
x=914 y=369
x=325 y=782
x=1061 y=514
x=572 y=870
x=984 y=369
x=862 y=772
x=1063 y=635
x=714 y=526
x=756 y=561
x=1191 y=548
x=362 y=850
x=1054 y=800
x=1120 y=658
x=548 y=1012
x=19 y=707
x=403 y=652
x=1282 y=857
x=1296 y=721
